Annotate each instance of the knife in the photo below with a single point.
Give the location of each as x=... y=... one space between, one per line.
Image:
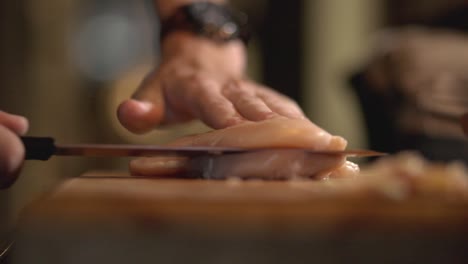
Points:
x=43 y=148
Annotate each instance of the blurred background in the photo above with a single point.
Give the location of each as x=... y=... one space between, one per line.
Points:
x=67 y=64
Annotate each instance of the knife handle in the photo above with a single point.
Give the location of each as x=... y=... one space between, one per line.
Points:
x=38 y=148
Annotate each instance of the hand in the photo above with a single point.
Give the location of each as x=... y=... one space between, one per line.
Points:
x=205 y=80
x=11 y=148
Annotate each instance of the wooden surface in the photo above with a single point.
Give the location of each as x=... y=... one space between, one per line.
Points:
x=103 y=197
x=114 y=218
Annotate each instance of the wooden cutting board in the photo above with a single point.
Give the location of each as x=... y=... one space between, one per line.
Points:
x=108 y=197
x=113 y=218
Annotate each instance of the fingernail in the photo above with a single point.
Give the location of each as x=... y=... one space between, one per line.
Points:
x=24 y=125
x=143 y=105
x=338 y=142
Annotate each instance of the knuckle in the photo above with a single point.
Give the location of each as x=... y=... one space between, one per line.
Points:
x=247 y=101
x=216 y=104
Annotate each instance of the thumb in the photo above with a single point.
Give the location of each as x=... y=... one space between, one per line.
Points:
x=17 y=124
x=145 y=109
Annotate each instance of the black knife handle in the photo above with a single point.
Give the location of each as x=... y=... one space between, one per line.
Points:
x=38 y=148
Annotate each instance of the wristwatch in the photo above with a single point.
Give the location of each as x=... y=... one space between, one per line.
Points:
x=219 y=23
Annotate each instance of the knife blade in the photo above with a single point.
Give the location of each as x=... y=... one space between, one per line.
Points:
x=43 y=148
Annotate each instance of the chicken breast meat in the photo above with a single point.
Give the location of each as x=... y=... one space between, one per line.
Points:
x=280 y=163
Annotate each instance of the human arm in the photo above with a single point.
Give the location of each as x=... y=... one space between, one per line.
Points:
x=199 y=78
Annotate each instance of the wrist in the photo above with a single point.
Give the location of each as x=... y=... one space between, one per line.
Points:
x=228 y=58
x=186 y=42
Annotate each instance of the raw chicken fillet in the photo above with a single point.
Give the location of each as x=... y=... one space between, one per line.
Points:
x=284 y=163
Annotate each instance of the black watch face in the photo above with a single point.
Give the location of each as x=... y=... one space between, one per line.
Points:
x=209 y=12
x=214 y=21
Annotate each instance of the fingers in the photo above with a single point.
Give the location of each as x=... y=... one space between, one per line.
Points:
x=217 y=111
x=146 y=109
x=279 y=103
x=15 y=123
x=179 y=95
x=11 y=147
x=202 y=98
x=220 y=106
x=246 y=102
x=11 y=155
x=137 y=116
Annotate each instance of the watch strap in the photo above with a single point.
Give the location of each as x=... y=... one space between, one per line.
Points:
x=219 y=23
